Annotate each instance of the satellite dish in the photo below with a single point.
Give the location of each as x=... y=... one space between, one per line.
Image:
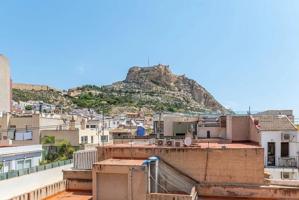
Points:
x=188 y=141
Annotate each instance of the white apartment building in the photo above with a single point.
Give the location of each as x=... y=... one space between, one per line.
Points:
x=21 y=157
x=279 y=138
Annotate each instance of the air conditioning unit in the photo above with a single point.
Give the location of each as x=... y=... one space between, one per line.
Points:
x=286 y=137
x=169 y=143
x=287 y=175
x=160 y=142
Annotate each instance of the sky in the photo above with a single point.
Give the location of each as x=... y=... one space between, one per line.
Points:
x=244 y=52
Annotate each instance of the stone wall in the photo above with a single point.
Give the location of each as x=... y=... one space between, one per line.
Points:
x=25 y=86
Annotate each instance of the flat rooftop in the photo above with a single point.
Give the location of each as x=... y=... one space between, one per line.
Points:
x=121 y=162
x=206 y=145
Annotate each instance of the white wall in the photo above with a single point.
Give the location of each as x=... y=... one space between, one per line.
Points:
x=21 y=150
x=92 y=132
x=275 y=136
x=276 y=173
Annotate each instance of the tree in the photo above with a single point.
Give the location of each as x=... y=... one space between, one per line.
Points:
x=64 y=151
x=48 y=140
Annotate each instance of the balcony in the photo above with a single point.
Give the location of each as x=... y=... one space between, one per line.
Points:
x=288 y=162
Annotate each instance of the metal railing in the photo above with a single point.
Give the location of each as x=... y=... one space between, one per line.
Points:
x=21 y=172
x=288 y=161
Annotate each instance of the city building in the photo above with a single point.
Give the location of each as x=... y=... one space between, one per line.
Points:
x=80 y=132
x=184 y=164
x=233 y=128
x=5 y=85
x=279 y=138
x=20 y=130
x=21 y=157
x=151 y=171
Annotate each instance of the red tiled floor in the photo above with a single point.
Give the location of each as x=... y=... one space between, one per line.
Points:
x=71 y=196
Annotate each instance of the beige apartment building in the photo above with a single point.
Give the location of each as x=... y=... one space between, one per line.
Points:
x=5 y=85
x=20 y=130
x=79 y=132
x=233 y=128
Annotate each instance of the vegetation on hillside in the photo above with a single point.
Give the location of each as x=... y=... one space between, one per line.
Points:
x=57 y=150
x=92 y=97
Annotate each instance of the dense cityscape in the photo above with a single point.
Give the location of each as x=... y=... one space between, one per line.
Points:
x=155 y=154
x=149 y=100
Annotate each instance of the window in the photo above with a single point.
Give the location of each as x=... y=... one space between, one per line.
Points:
x=6 y=166
x=23 y=135
x=104 y=138
x=93 y=126
x=91 y=138
x=84 y=139
x=208 y=134
x=284 y=149
x=20 y=164
x=87 y=126
x=11 y=132
x=27 y=164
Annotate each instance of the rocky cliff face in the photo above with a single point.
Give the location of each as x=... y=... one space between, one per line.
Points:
x=171 y=88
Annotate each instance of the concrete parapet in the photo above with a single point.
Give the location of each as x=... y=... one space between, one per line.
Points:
x=79 y=180
x=160 y=196
x=43 y=192
x=243 y=191
x=208 y=165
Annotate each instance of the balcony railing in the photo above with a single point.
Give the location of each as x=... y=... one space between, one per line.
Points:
x=288 y=161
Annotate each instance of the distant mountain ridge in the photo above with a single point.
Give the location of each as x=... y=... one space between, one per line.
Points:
x=151 y=89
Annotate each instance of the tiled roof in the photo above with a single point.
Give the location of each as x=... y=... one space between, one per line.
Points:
x=275 y=123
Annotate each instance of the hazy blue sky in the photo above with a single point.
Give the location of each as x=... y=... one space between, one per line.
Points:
x=244 y=52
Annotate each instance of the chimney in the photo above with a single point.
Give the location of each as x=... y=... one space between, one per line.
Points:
x=72 y=125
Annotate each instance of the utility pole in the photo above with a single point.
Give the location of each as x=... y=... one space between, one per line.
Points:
x=159 y=125
x=103 y=126
x=103 y=103
x=98 y=133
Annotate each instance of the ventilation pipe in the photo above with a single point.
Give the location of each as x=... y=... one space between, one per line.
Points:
x=156 y=161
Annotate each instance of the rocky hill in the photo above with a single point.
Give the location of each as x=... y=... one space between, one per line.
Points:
x=169 y=87
x=149 y=89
